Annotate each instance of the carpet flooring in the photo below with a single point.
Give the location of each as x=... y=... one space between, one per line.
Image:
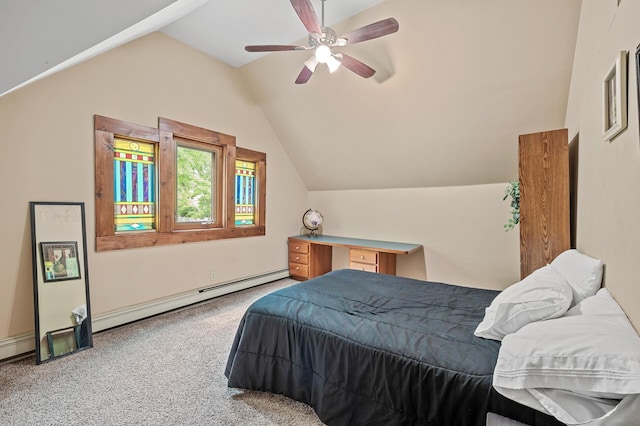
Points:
x=165 y=370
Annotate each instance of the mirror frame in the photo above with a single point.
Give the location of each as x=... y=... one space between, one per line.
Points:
x=61 y=225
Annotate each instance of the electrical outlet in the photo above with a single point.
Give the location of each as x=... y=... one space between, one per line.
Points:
x=212 y=276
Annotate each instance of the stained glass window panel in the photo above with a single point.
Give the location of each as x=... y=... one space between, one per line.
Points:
x=135 y=189
x=245 y=193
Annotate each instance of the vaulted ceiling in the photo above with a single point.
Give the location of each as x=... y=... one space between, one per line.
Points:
x=453 y=89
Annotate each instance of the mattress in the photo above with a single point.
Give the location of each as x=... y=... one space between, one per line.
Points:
x=365 y=348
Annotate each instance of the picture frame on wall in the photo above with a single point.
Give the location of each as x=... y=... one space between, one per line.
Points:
x=638 y=80
x=614 y=98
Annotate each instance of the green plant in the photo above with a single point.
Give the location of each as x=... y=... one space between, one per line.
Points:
x=513 y=191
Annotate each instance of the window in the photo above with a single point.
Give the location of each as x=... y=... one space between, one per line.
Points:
x=250 y=188
x=175 y=184
x=245 y=192
x=134 y=185
x=195 y=185
x=198 y=190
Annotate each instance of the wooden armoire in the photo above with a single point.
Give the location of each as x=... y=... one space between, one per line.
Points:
x=543 y=168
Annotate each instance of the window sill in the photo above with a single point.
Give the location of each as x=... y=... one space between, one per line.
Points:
x=150 y=239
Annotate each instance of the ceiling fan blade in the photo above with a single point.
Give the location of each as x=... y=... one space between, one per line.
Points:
x=371 y=31
x=360 y=68
x=307 y=15
x=304 y=75
x=272 y=48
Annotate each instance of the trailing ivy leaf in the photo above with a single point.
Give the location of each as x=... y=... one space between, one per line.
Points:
x=513 y=190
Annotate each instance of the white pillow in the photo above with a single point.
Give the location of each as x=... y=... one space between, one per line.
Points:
x=583 y=273
x=542 y=295
x=593 y=348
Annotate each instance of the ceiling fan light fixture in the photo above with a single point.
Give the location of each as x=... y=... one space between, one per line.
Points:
x=333 y=63
x=323 y=53
x=311 y=63
x=322 y=39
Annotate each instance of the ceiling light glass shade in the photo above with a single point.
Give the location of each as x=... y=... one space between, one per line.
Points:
x=333 y=63
x=323 y=53
x=311 y=63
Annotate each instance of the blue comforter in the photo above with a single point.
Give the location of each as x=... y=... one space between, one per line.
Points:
x=365 y=348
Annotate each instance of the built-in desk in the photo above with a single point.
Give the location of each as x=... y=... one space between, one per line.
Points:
x=310 y=257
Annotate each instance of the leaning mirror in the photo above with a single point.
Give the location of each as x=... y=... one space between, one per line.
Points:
x=60 y=279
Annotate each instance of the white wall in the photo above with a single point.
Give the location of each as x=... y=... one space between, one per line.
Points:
x=461 y=229
x=608 y=172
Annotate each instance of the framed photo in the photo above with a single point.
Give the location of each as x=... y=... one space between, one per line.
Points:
x=638 y=79
x=60 y=261
x=614 y=97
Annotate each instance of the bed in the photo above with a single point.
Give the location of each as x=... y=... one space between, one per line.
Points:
x=364 y=348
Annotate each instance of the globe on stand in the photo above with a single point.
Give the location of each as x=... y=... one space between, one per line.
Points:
x=312 y=220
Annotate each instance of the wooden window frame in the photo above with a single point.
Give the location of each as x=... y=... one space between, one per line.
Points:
x=166 y=232
x=173 y=131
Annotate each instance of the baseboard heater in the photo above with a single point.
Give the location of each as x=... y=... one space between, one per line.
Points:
x=17 y=346
x=263 y=278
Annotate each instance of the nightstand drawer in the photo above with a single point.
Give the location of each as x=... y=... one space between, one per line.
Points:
x=363 y=256
x=363 y=266
x=298 y=247
x=298 y=258
x=299 y=270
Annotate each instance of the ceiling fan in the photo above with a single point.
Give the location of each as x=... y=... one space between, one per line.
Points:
x=322 y=39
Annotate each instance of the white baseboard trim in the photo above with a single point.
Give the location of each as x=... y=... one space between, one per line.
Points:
x=144 y=310
x=19 y=345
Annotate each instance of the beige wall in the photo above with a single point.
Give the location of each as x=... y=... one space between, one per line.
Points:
x=47 y=155
x=609 y=173
x=461 y=229
x=454 y=88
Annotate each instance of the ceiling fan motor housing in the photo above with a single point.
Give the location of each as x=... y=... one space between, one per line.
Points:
x=328 y=37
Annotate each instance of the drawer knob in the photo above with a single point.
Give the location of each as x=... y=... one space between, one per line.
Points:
x=297 y=247
x=361 y=257
x=297 y=268
x=297 y=257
